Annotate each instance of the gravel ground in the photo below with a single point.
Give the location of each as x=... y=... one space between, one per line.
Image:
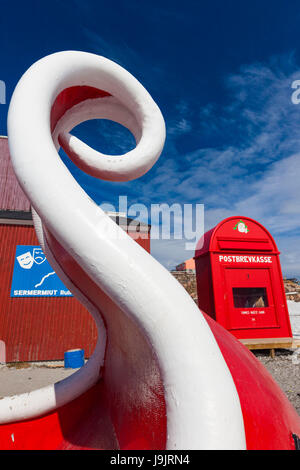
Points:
x=24 y=377
x=285 y=369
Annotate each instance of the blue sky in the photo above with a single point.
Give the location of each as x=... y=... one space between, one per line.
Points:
x=221 y=72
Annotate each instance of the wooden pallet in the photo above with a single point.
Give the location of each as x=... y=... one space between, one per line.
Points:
x=271 y=344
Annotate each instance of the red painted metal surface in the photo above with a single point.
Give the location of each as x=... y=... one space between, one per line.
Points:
x=126 y=409
x=239 y=280
x=108 y=417
x=38 y=328
x=69 y=98
x=132 y=381
x=82 y=424
x=269 y=418
x=11 y=195
x=41 y=328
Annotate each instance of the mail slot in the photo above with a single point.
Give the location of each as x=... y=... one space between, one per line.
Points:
x=239 y=280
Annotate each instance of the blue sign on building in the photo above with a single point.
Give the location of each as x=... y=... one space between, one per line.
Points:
x=33 y=276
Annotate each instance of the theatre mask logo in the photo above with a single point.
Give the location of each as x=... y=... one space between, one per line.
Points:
x=33 y=276
x=25 y=260
x=38 y=256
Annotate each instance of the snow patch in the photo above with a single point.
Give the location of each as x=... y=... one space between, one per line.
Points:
x=294 y=311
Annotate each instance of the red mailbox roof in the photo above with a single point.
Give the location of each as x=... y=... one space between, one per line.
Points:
x=237 y=234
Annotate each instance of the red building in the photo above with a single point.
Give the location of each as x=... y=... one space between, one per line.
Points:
x=188 y=265
x=39 y=328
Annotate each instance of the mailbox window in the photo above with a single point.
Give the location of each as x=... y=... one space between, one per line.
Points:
x=250 y=297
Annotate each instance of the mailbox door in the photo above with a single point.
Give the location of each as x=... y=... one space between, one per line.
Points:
x=250 y=298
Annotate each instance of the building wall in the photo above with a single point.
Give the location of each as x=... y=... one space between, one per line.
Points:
x=12 y=197
x=40 y=328
x=37 y=328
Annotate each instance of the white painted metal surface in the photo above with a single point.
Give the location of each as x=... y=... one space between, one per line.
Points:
x=203 y=409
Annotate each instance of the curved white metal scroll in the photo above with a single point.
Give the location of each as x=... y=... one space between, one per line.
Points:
x=202 y=405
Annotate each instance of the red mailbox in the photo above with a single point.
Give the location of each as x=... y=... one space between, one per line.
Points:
x=239 y=280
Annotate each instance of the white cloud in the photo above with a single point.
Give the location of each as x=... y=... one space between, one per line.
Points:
x=257 y=176
x=170 y=253
x=275 y=198
x=253 y=169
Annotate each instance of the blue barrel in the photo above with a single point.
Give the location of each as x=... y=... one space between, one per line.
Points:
x=74 y=358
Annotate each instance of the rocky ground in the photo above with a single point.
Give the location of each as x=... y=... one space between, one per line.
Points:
x=188 y=280
x=292 y=289
x=285 y=367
